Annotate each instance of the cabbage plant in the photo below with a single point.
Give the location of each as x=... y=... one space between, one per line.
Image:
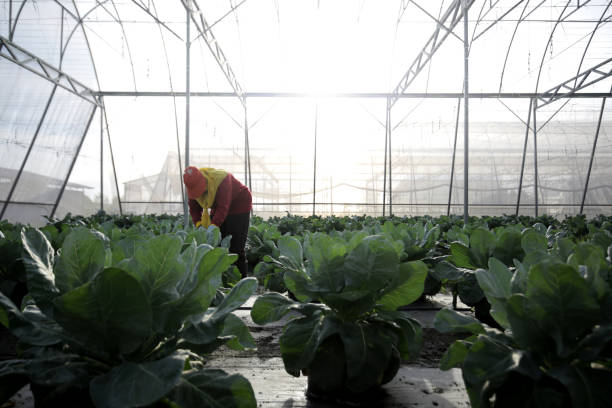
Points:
x=555 y=349
x=125 y=331
x=353 y=339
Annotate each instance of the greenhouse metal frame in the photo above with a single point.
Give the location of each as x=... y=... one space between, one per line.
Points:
x=591 y=82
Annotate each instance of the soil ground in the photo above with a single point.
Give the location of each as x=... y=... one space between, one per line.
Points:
x=266 y=338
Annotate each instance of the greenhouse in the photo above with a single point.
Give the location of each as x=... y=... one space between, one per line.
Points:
x=422 y=183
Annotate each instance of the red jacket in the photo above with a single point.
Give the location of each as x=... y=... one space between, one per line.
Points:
x=232 y=197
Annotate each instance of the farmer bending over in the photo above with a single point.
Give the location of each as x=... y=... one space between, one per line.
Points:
x=230 y=204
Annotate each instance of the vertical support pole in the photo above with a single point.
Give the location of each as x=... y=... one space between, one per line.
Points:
x=586 y=183
x=452 y=175
x=535 y=155
x=390 y=167
x=314 y=177
x=520 y=188
x=61 y=44
x=10 y=16
x=112 y=156
x=27 y=156
x=100 y=100
x=187 y=95
x=387 y=125
x=76 y=156
x=466 y=111
x=247 y=150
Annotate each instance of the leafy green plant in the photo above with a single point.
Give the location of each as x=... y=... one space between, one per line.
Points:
x=12 y=271
x=125 y=331
x=555 y=349
x=474 y=251
x=352 y=341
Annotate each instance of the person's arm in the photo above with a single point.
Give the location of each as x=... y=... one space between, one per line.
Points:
x=195 y=209
x=223 y=201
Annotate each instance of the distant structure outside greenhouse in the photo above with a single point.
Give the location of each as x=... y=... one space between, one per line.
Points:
x=320 y=107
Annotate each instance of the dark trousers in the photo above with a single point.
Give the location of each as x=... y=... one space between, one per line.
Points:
x=237 y=225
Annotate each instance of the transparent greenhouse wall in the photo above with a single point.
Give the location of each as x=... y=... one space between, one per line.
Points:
x=281 y=140
x=86 y=176
x=350 y=140
x=148 y=140
x=22 y=104
x=51 y=158
x=598 y=199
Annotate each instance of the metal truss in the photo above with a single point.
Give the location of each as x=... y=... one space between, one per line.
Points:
x=447 y=23
x=27 y=60
x=587 y=78
x=208 y=36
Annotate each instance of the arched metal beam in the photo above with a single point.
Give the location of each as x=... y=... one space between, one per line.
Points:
x=452 y=16
x=32 y=63
x=586 y=48
x=583 y=80
x=214 y=47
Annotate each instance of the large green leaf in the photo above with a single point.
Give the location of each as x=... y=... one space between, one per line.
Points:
x=81 y=258
x=560 y=300
x=112 y=312
x=488 y=364
x=447 y=272
x=533 y=241
x=301 y=338
x=588 y=387
x=455 y=355
x=31 y=326
x=134 y=385
x=408 y=331
x=592 y=257
x=326 y=256
x=508 y=246
x=169 y=316
x=461 y=256
x=270 y=307
x=451 y=321
x=237 y=334
x=367 y=349
x=239 y=294
x=213 y=388
x=469 y=291
x=291 y=249
x=592 y=345
x=158 y=269
x=410 y=281
x=48 y=367
x=495 y=284
x=526 y=330
x=371 y=265
x=38 y=258
x=215 y=322
x=482 y=245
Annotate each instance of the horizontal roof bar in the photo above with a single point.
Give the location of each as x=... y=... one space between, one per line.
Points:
x=439 y=95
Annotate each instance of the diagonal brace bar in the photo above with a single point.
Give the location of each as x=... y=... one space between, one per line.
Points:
x=206 y=33
x=587 y=78
x=449 y=20
x=32 y=63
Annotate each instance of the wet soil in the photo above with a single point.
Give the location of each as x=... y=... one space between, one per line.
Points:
x=435 y=345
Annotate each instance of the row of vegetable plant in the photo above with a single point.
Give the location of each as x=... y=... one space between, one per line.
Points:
x=126 y=321
x=344 y=289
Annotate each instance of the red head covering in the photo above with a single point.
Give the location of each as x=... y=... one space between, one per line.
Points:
x=195 y=182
